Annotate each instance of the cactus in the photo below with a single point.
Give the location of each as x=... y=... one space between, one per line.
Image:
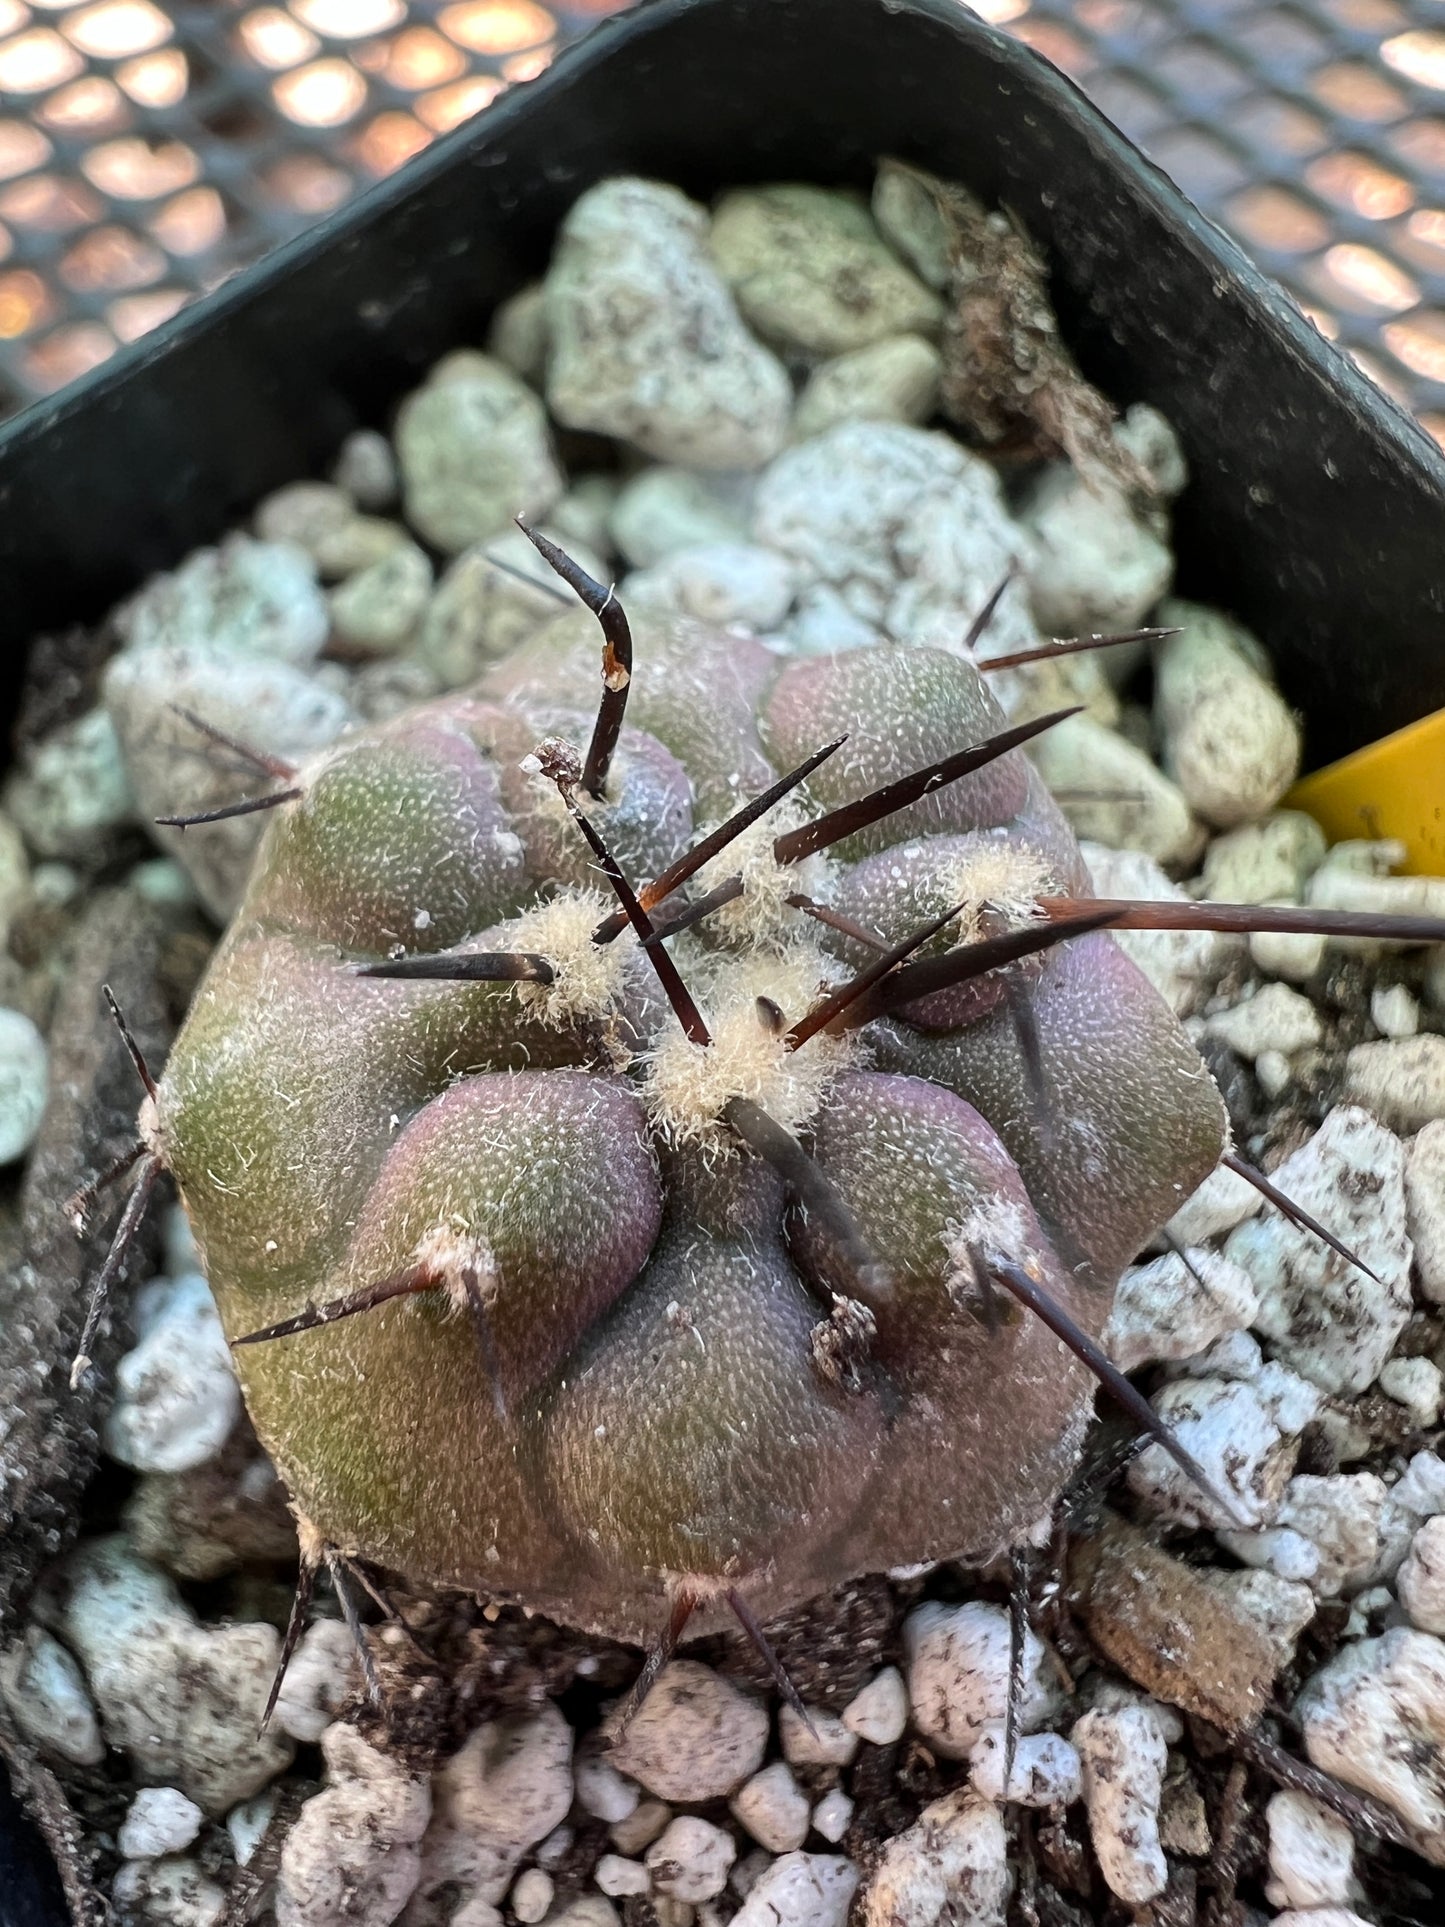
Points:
x=651 y=1282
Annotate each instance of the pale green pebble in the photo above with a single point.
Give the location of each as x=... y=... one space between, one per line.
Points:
x=72 y=788
x=893 y=380
x=1265 y=862
x=909 y=220
x=162 y=881
x=15 y=881
x=366 y=470
x=518 y=336
x=24 y=1083
x=53 y=885
x=808 y=268
x=379 y=609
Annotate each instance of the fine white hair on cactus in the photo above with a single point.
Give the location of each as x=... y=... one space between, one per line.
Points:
x=589 y=979
x=995 y=873
x=763 y=916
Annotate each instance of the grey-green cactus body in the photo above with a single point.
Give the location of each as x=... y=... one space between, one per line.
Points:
x=665 y=1408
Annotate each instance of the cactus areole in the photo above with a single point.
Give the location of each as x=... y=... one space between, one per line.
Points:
x=616 y=1271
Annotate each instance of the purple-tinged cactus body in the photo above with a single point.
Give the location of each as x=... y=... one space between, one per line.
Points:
x=578 y=1308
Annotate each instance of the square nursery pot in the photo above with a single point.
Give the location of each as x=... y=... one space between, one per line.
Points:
x=1316 y=509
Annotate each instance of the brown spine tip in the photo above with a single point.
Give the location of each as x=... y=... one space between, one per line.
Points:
x=931 y=974
x=465 y=967
x=1074 y=646
x=127 y=1037
x=401 y=1284
x=712 y=845
x=832 y=1007
x=81 y=1202
x=850 y=818
x=1245 y=919
x=616 y=658
x=147 y=1177
x=1015 y=1279
x=295 y=1626
x=987 y=613
x=259 y=759
x=247 y=806
x=1296 y=1213
x=743 y=1613
x=684 y=1605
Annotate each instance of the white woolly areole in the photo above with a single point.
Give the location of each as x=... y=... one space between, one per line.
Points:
x=992 y=1224
x=997 y=875
x=687 y=1086
x=457 y=1259
x=590 y=977
x=762 y=915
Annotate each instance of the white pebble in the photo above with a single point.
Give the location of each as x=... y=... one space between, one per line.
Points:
x=1234 y=1437
x=379 y=609
x=662 y=510
x=833 y=1815
x=500 y=1794
x=748 y=1871
x=245 y=598
x=1100 y=565
x=46 y=1694
x=183 y=1699
x=24 y=1083
x=318 y=1681
x=911 y=530
x=352 y=1858
x=71 y=790
x=1287 y=954
x=247 y=1825
x=1274 y=1073
x=690 y=1861
x=773 y=1808
x=1265 y=862
x=878 y=1712
x=682 y=380
x=176 y=1392
x=1275 y=1018
x=1046 y=1769
x=1394 y=1011
x=168 y=1893
x=160 y=1820
x=809 y=269
x=1223 y=1201
x=823 y=1740
x=1421 y=1579
x=1319 y=1917
x=601 y=1790
x=1311 y=1853
x=1123 y=1757
x=1329 y=1320
x=800 y=1890
x=492 y=598
x=1230 y=741
x=618 y=1876
x=695 y=1737
x=1425 y=1207
x=1400 y=1079
x=366 y=469
x=1415 y=1383
x=1338 y=1520
x=891 y=380
x=1355 y=876
x=276 y=706
x=950 y=1866
x=474 y=450
x=719 y=583
x=531 y=1896
x=1182 y=965
x=1374 y=1716
x=1176 y=1306
x=958 y=1674
x=641 y=1827
x=518 y=333
x=1115 y=794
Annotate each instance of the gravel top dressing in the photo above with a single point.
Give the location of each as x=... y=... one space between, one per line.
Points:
x=760 y=1300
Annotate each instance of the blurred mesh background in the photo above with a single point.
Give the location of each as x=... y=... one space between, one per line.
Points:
x=148 y=148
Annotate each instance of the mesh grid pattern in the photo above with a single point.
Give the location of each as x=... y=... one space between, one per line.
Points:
x=148 y=148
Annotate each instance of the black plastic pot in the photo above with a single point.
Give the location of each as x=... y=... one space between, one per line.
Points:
x=1316 y=509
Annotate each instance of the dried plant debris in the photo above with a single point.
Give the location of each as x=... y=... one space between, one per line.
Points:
x=744 y=1068
x=1008 y=378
